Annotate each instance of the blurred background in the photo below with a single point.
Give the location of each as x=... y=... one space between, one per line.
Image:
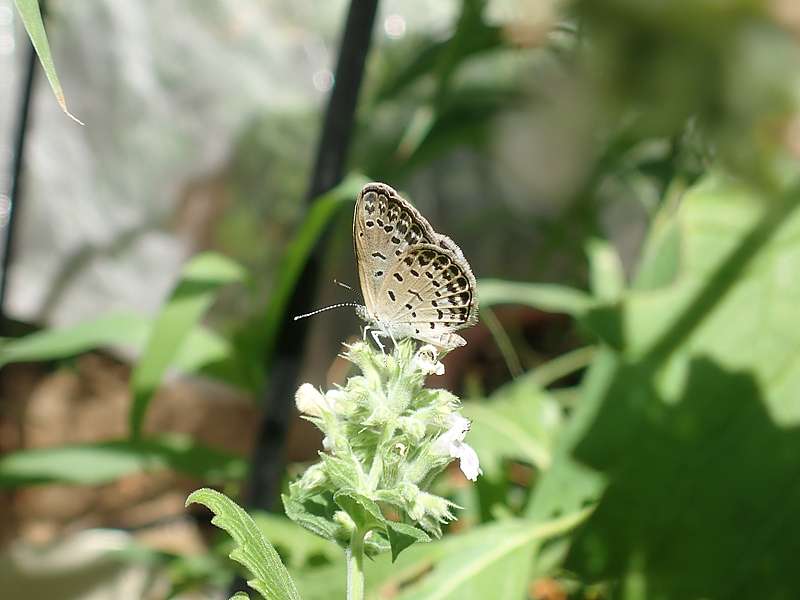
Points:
x=160 y=251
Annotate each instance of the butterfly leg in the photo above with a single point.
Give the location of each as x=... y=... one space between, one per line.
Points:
x=364 y=331
x=376 y=335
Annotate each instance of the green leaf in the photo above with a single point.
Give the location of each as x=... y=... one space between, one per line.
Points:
x=200 y=279
x=518 y=422
x=240 y=596
x=97 y=463
x=542 y=296
x=322 y=211
x=129 y=330
x=32 y=19
x=606 y=276
x=661 y=256
x=402 y=536
x=315 y=514
x=491 y=561
x=108 y=330
x=253 y=551
x=693 y=429
x=364 y=512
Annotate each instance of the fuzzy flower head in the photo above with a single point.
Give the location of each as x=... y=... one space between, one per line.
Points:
x=386 y=436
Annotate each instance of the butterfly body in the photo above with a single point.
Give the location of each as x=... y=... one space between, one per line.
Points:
x=416 y=282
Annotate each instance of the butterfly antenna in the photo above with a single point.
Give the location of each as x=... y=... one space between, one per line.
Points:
x=344 y=285
x=323 y=309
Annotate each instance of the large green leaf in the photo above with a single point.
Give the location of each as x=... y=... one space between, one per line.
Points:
x=200 y=279
x=692 y=429
x=102 y=462
x=253 y=550
x=32 y=19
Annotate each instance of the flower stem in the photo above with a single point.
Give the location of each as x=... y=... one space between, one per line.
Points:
x=355 y=566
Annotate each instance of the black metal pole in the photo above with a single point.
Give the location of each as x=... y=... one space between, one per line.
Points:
x=15 y=189
x=267 y=464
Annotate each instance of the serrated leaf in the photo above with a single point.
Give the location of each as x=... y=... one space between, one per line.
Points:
x=32 y=19
x=402 y=535
x=253 y=551
x=200 y=279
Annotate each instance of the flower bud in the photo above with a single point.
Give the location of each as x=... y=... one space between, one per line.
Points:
x=312 y=479
x=310 y=401
x=345 y=520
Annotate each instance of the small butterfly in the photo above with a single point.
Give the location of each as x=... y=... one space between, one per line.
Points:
x=416 y=282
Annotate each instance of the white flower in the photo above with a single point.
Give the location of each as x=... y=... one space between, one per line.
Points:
x=310 y=401
x=425 y=361
x=452 y=442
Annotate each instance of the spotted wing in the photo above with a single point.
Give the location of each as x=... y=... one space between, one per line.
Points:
x=384 y=226
x=429 y=294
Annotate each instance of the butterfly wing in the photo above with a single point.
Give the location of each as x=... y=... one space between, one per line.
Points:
x=384 y=226
x=429 y=293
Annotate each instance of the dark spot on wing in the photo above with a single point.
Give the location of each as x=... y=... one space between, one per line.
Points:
x=378 y=255
x=398 y=276
x=391 y=295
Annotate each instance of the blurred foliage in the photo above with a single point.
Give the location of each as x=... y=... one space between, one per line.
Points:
x=655 y=461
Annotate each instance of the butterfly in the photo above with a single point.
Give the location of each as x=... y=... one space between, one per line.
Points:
x=416 y=283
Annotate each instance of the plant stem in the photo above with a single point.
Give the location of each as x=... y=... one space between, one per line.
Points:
x=355 y=566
